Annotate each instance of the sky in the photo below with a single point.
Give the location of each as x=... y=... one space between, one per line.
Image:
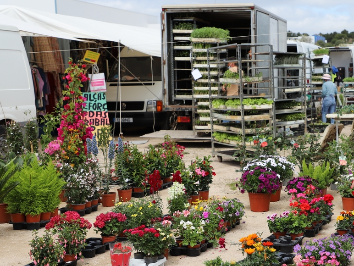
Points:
x=305 y=16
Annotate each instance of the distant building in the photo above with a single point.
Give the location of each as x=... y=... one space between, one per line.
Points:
x=309 y=39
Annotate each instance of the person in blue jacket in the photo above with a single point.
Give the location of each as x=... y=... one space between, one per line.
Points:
x=329 y=91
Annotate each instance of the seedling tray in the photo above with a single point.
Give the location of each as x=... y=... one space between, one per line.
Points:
x=313 y=232
x=284 y=244
x=178 y=251
x=61 y=263
x=28 y=226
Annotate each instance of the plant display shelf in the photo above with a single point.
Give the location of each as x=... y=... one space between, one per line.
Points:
x=206 y=118
x=203 y=111
x=212 y=73
x=194 y=50
x=316 y=82
x=245 y=117
x=244 y=80
x=343 y=117
x=246 y=107
x=183 y=97
x=200 y=127
x=177 y=47
x=182 y=58
x=207 y=40
x=182 y=31
x=288 y=66
x=289 y=123
x=203 y=103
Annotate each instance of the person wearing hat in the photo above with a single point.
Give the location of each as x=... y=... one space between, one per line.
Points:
x=329 y=90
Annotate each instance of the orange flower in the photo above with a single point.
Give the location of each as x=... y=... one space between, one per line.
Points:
x=243 y=239
x=250 y=251
x=250 y=242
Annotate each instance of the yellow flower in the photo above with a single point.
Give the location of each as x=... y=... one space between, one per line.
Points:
x=272 y=249
x=134 y=215
x=163 y=238
x=340 y=218
x=201 y=208
x=232 y=262
x=150 y=205
x=196 y=207
x=130 y=205
x=140 y=208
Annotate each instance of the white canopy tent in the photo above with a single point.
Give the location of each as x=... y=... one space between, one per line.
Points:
x=145 y=40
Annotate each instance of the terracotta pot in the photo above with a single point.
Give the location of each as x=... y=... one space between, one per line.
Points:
x=202 y=242
x=161 y=182
x=33 y=218
x=293 y=236
x=125 y=195
x=17 y=217
x=259 y=202
x=88 y=204
x=342 y=232
x=204 y=195
x=138 y=189
x=323 y=192
x=106 y=239
x=348 y=204
x=77 y=207
x=190 y=201
x=4 y=216
x=109 y=199
x=165 y=253
x=62 y=197
x=309 y=228
x=179 y=241
x=94 y=202
x=54 y=212
x=167 y=179
x=45 y=216
x=279 y=234
x=68 y=257
x=115 y=178
x=276 y=197
x=352 y=229
x=195 y=198
x=194 y=247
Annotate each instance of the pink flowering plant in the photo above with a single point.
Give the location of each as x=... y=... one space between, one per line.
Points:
x=277 y=223
x=45 y=251
x=259 y=180
x=110 y=223
x=202 y=171
x=70 y=231
x=299 y=184
x=333 y=250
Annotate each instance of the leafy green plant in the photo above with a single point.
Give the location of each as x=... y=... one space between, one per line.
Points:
x=183 y=26
x=322 y=173
x=347 y=109
x=211 y=32
x=31 y=135
x=50 y=123
x=6 y=183
x=216 y=103
x=182 y=53
x=321 y=51
x=284 y=59
x=287 y=105
x=291 y=117
x=14 y=138
x=348 y=79
x=231 y=75
x=296 y=224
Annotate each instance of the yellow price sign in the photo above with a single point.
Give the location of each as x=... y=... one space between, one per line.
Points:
x=91 y=57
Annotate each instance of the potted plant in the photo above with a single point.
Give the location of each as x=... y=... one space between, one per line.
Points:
x=259 y=182
x=344 y=222
x=203 y=172
x=109 y=225
x=322 y=173
x=296 y=224
x=154 y=181
x=45 y=251
x=212 y=216
x=345 y=186
x=299 y=184
x=278 y=225
x=7 y=184
x=177 y=199
x=135 y=167
x=71 y=231
x=119 y=254
x=166 y=236
x=192 y=232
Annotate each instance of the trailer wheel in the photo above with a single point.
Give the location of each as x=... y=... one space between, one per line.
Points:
x=170 y=122
x=219 y=159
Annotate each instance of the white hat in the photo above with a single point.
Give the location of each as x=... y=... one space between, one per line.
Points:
x=326 y=76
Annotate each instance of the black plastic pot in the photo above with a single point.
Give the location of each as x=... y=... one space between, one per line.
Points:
x=204 y=247
x=43 y=223
x=63 y=210
x=89 y=253
x=18 y=226
x=193 y=252
x=94 y=208
x=149 y=260
x=139 y=255
x=210 y=245
x=88 y=210
x=93 y=239
x=121 y=238
x=33 y=226
x=107 y=244
x=160 y=257
x=178 y=251
x=138 y=194
x=100 y=249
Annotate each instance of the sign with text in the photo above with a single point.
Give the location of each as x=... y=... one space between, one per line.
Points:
x=91 y=57
x=96 y=108
x=97 y=82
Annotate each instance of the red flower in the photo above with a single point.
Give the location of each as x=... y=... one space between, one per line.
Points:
x=220 y=208
x=213 y=173
x=154 y=202
x=83 y=66
x=222 y=242
x=267 y=244
x=328 y=198
x=157 y=235
x=264 y=144
x=255 y=142
x=353 y=193
x=296 y=145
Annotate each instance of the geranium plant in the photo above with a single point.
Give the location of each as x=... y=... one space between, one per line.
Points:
x=296 y=223
x=192 y=232
x=110 y=223
x=259 y=180
x=202 y=171
x=277 y=223
x=45 y=251
x=299 y=184
x=70 y=230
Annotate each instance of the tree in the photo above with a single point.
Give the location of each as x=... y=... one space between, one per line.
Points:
x=305 y=38
x=321 y=43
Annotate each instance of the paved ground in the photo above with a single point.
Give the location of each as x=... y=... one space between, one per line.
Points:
x=14 y=245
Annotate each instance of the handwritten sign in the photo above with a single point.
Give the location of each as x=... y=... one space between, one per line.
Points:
x=97 y=82
x=91 y=57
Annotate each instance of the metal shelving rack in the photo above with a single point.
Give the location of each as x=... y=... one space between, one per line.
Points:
x=261 y=60
x=348 y=92
x=284 y=90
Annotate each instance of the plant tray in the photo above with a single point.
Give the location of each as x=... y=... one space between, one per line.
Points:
x=43 y=223
x=248 y=117
x=89 y=253
x=61 y=263
x=121 y=238
x=94 y=207
x=166 y=185
x=212 y=73
x=18 y=226
x=206 y=65
x=203 y=103
x=202 y=127
x=183 y=97
x=182 y=47
x=207 y=40
x=203 y=111
x=63 y=210
x=218 y=127
x=339 y=117
x=182 y=31
x=279 y=111
x=284 y=244
x=141 y=262
x=206 y=119
x=182 y=38
x=178 y=251
x=313 y=232
x=204 y=58
x=88 y=210
x=182 y=59
x=205 y=89
x=285 y=123
x=206 y=80
x=193 y=252
x=204 y=247
x=247 y=130
x=138 y=194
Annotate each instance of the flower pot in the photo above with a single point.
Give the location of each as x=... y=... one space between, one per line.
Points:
x=204 y=195
x=195 y=246
x=106 y=239
x=342 y=232
x=69 y=257
x=124 y=195
x=323 y=192
x=139 y=255
x=120 y=259
x=149 y=260
x=190 y=201
x=4 y=216
x=94 y=202
x=279 y=234
x=259 y=202
x=195 y=199
x=179 y=241
x=138 y=190
x=45 y=216
x=109 y=199
x=293 y=236
x=62 y=196
x=77 y=207
x=88 y=204
x=54 y=212
x=348 y=204
x=167 y=180
x=202 y=242
x=17 y=217
x=165 y=253
x=352 y=229
x=33 y=218
x=276 y=197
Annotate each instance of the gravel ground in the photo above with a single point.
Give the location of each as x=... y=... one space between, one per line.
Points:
x=14 y=245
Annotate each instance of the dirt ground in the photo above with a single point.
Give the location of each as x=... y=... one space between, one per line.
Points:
x=14 y=245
